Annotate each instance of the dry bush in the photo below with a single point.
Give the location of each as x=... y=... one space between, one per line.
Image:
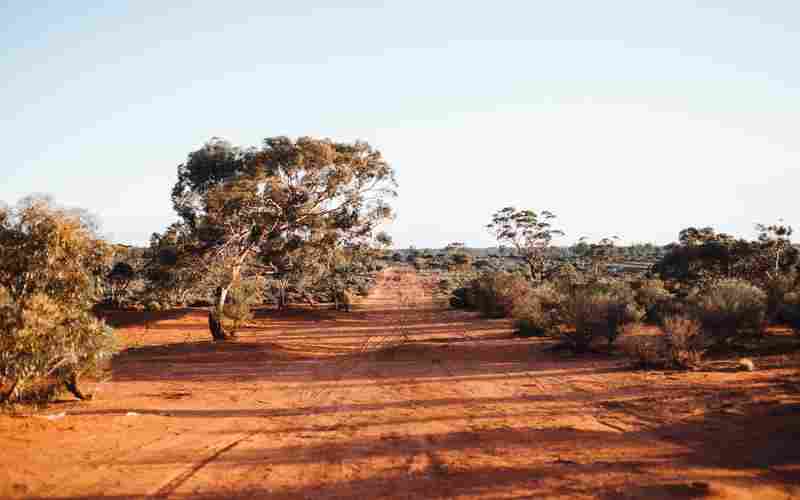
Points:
x=244 y=295
x=789 y=311
x=731 y=308
x=645 y=351
x=531 y=318
x=684 y=341
x=550 y=296
x=778 y=289
x=601 y=310
x=49 y=261
x=681 y=345
x=655 y=300
x=495 y=293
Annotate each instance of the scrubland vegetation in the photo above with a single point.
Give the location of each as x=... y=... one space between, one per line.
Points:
x=278 y=246
x=290 y=220
x=708 y=291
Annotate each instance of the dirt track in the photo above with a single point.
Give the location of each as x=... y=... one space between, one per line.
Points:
x=401 y=399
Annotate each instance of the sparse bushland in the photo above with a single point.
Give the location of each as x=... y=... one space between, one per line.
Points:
x=51 y=262
x=598 y=310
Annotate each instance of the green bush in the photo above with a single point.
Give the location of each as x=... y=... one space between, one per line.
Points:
x=730 y=308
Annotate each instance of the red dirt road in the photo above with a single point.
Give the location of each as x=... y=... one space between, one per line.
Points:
x=401 y=399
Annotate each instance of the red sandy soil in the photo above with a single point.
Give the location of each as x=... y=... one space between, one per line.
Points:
x=401 y=398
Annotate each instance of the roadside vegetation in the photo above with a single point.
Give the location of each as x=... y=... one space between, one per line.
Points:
x=288 y=221
x=299 y=222
x=709 y=292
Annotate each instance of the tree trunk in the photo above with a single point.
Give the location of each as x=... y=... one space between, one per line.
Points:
x=282 y=301
x=71 y=383
x=6 y=396
x=218 y=332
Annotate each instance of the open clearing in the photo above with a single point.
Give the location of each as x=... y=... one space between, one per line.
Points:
x=401 y=402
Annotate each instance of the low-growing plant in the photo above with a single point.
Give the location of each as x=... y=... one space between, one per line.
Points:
x=531 y=318
x=730 y=308
x=684 y=342
x=462 y=298
x=789 y=311
x=655 y=300
x=600 y=310
x=645 y=351
x=777 y=288
x=549 y=296
x=243 y=296
x=496 y=292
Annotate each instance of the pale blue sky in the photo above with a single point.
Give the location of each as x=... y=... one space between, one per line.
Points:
x=635 y=118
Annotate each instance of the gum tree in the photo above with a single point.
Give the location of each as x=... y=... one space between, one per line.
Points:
x=246 y=208
x=529 y=233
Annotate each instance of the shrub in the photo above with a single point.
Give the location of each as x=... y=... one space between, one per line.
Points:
x=645 y=351
x=49 y=261
x=730 y=308
x=684 y=342
x=244 y=295
x=789 y=311
x=655 y=300
x=549 y=296
x=600 y=310
x=777 y=289
x=496 y=292
x=462 y=298
x=362 y=289
x=46 y=340
x=343 y=300
x=531 y=318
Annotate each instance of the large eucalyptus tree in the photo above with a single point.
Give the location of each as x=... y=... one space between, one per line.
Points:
x=249 y=207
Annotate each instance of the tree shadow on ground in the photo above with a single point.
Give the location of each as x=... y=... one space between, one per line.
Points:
x=124 y=318
x=759 y=445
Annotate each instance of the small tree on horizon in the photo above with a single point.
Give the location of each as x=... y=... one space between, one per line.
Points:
x=529 y=233
x=777 y=240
